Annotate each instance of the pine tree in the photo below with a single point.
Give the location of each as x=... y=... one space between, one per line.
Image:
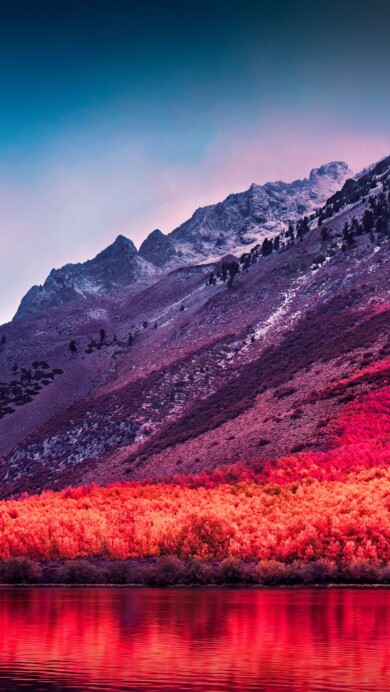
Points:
x=368 y=221
x=303 y=227
x=348 y=234
x=325 y=233
x=267 y=247
x=355 y=226
x=290 y=232
x=233 y=270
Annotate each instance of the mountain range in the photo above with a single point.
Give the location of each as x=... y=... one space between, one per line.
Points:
x=241 y=220
x=234 y=338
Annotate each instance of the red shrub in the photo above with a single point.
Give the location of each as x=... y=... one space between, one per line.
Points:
x=309 y=507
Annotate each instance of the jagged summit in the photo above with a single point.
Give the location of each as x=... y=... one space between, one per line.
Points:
x=334 y=169
x=118 y=265
x=246 y=218
x=121 y=246
x=122 y=241
x=157 y=248
x=229 y=227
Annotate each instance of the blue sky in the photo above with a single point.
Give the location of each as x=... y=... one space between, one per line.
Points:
x=120 y=116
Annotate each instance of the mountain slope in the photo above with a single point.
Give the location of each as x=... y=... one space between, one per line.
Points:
x=190 y=374
x=212 y=232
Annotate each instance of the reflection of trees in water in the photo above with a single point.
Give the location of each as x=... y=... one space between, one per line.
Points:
x=245 y=636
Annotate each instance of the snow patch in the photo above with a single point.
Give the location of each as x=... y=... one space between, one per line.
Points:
x=97 y=314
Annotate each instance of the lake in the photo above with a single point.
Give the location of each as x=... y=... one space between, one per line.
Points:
x=195 y=639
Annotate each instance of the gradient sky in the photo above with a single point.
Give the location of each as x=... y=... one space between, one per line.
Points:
x=120 y=117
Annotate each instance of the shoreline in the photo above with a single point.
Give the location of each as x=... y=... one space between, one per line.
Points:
x=182 y=587
x=171 y=572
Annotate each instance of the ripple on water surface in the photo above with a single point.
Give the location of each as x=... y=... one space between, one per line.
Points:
x=195 y=640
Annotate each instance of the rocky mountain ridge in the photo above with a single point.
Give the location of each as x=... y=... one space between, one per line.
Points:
x=230 y=226
x=246 y=218
x=118 y=265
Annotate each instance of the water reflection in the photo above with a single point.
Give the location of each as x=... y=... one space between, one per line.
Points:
x=236 y=640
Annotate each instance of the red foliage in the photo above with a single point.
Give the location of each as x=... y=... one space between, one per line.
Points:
x=331 y=505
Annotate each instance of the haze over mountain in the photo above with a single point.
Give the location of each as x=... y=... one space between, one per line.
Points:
x=144 y=369
x=231 y=226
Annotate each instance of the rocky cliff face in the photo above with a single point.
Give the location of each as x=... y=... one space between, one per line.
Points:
x=248 y=217
x=118 y=265
x=157 y=248
x=229 y=227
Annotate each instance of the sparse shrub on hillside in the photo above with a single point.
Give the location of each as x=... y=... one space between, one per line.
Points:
x=284 y=392
x=320 y=336
x=21 y=391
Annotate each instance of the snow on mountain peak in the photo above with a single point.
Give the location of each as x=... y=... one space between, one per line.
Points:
x=246 y=218
x=242 y=220
x=334 y=169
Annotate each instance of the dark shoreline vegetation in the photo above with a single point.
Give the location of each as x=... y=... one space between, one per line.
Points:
x=170 y=571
